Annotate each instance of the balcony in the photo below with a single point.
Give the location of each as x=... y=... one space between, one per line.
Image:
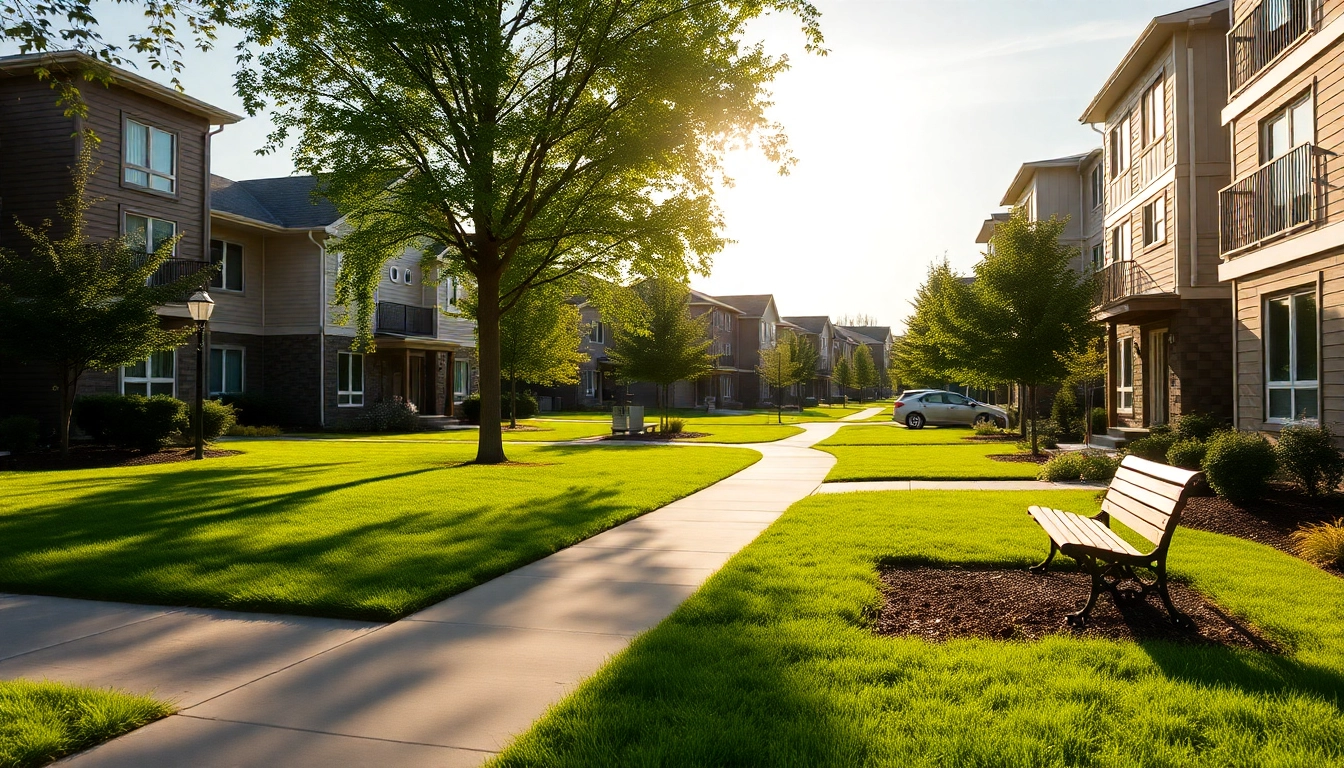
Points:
x=173 y=270
x=1267 y=31
x=404 y=320
x=1275 y=199
x=1125 y=292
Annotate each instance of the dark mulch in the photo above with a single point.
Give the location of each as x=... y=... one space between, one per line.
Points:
x=1020 y=458
x=101 y=457
x=1270 y=520
x=521 y=428
x=939 y=604
x=664 y=436
x=992 y=438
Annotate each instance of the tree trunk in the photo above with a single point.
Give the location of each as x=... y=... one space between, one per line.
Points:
x=1035 y=438
x=490 y=442
x=1022 y=410
x=67 y=408
x=513 y=403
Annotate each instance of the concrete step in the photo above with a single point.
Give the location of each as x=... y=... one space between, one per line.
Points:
x=1127 y=433
x=1108 y=442
x=431 y=423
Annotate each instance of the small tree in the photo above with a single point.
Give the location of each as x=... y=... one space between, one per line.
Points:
x=843 y=374
x=539 y=343
x=805 y=357
x=865 y=370
x=655 y=339
x=1087 y=367
x=83 y=305
x=793 y=360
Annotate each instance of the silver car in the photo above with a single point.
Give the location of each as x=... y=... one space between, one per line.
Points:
x=917 y=407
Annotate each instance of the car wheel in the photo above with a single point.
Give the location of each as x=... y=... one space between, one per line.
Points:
x=915 y=421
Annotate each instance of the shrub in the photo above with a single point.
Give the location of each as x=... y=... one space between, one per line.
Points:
x=676 y=426
x=527 y=405
x=1308 y=455
x=1161 y=429
x=1322 y=544
x=132 y=421
x=217 y=417
x=239 y=430
x=1197 y=426
x=18 y=434
x=1099 y=467
x=1187 y=454
x=1092 y=466
x=1238 y=464
x=1064 y=413
x=469 y=411
x=95 y=414
x=1100 y=423
x=987 y=429
x=255 y=409
x=1154 y=447
x=395 y=415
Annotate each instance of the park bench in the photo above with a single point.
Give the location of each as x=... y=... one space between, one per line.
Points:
x=647 y=429
x=1148 y=498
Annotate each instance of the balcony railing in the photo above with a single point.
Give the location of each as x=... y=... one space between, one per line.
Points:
x=1276 y=198
x=1121 y=279
x=1267 y=31
x=404 y=319
x=173 y=270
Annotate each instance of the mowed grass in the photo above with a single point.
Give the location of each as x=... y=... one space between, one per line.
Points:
x=359 y=530
x=761 y=416
x=925 y=462
x=896 y=434
x=739 y=433
x=773 y=663
x=545 y=431
x=42 y=721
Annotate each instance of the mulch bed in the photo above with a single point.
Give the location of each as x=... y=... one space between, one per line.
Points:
x=939 y=604
x=663 y=436
x=992 y=438
x=1270 y=520
x=522 y=428
x=101 y=457
x=1020 y=458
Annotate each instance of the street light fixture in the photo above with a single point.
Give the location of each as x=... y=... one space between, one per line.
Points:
x=200 y=306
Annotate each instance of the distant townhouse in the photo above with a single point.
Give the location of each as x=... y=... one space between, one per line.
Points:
x=879 y=341
x=757 y=329
x=1166 y=156
x=722 y=383
x=818 y=330
x=1071 y=188
x=1282 y=217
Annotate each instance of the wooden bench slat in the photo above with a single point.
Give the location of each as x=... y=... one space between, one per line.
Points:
x=1149 y=483
x=1137 y=524
x=1173 y=475
x=1161 y=506
x=1066 y=528
x=1156 y=517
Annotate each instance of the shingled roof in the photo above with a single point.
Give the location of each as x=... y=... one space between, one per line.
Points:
x=751 y=306
x=878 y=333
x=812 y=324
x=286 y=201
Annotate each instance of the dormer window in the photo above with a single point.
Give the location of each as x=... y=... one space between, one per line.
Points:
x=149 y=158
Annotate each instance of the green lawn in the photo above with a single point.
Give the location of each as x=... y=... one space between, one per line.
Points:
x=925 y=462
x=545 y=432
x=822 y=413
x=895 y=434
x=739 y=433
x=360 y=530
x=42 y=721
x=772 y=662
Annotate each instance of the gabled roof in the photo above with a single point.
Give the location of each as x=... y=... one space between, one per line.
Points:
x=750 y=306
x=1028 y=171
x=286 y=201
x=813 y=324
x=854 y=336
x=878 y=333
x=1152 y=40
x=987 y=227
x=77 y=61
x=704 y=298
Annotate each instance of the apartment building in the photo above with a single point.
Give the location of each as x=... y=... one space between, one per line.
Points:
x=757 y=329
x=1070 y=188
x=879 y=340
x=1166 y=156
x=722 y=383
x=818 y=330
x=1282 y=216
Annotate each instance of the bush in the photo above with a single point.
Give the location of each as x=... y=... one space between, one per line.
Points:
x=1238 y=465
x=1187 y=454
x=470 y=410
x=395 y=415
x=1100 y=422
x=1154 y=447
x=1065 y=414
x=987 y=429
x=676 y=426
x=1197 y=426
x=1161 y=430
x=18 y=434
x=255 y=409
x=132 y=421
x=217 y=417
x=1308 y=455
x=239 y=430
x=1091 y=466
x=1322 y=544
x=527 y=405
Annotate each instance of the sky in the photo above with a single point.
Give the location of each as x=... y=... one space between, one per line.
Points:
x=907 y=135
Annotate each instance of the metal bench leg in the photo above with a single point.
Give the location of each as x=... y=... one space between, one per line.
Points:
x=1177 y=618
x=1045 y=564
x=1079 y=619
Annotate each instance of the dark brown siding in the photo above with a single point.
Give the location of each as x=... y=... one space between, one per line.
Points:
x=37 y=146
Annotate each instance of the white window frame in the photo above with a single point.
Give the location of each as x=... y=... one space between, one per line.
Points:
x=1124 y=358
x=242 y=364
x=149 y=380
x=1290 y=112
x=394 y=273
x=726 y=386
x=406 y=277
x=1155 y=221
x=1098 y=185
x=1154 y=111
x=225 y=261
x=149 y=229
x=461 y=383
x=151 y=173
x=1122 y=242
x=349 y=397
x=1121 y=139
x=588 y=379
x=597 y=332
x=1292 y=384
x=1098 y=258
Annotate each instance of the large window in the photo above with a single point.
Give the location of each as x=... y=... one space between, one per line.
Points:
x=149 y=158
x=229 y=257
x=1155 y=221
x=589 y=381
x=349 y=379
x=726 y=387
x=1122 y=243
x=1154 y=110
x=148 y=233
x=1098 y=186
x=226 y=370
x=461 y=379
x=1119 y=141
x=1098 y=256
x=154 y=376
x=1290 y=127
x=1291 y=359
x=1124 y=370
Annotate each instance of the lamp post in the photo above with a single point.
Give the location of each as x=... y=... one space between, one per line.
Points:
x=200 y=305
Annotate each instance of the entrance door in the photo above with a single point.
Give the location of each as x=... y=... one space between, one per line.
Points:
x=415 y=392
x=1156 y=371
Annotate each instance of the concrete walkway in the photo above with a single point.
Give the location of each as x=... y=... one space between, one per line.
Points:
x=955 y=485
x=448 y=686
x=864 y=415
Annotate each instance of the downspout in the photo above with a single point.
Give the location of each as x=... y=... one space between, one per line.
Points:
x=321 y=333
x=1236 y=361
x=1192 y=181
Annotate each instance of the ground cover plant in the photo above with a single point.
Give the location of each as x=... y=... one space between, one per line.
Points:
x=775 y=661
x=370 y=530
x=897 y=434
x=926 y=462
x=42 y=721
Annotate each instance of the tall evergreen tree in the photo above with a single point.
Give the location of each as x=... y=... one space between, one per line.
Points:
x=656 y=340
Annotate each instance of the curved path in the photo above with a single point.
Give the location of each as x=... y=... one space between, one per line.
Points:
x=448 y=686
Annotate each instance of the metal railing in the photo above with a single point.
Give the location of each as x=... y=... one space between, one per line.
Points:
x=404 y=319
x=173 y=270
x=1279 y=196
x=1267 y=31
x=1121 y=279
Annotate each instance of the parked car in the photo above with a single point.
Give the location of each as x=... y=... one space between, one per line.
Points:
x=917 y=407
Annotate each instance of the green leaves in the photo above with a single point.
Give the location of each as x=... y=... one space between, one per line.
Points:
x=657 y=340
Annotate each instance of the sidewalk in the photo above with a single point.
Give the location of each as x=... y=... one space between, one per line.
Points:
x=955 y=485
x=864 y=415
x=448 y=686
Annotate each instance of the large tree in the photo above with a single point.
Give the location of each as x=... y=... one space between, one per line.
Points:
x=533 y=140
x=655 y=339
x=82 y=305
x=539 y=343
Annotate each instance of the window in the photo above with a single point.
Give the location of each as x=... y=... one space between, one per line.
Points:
x=1290 y=127
x=151 y=377
x=461 y=379
x=394 y=272
x=226 y=370
x=1098 y=256
x=597 y=332
x=1292 y=369
x=589 y=381
x=406 y=276
x=726 y=387
x=453 y=292
x=1120 y=138
x=349 y=379
x=1122 y=243
x=230 y=258
x=1124 y=376
x=147 y=233
x=1098 y=186
x=1155 y=221
x=149 y=158
x=1154 y=111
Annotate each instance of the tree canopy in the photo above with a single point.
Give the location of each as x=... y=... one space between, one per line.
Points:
x=792 y=360
x=523 y=142
x=655 y=339
x=865 y=370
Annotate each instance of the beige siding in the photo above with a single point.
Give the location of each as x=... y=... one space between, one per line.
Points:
x=293 y=290
x=243 y=312
x=1146 y=162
